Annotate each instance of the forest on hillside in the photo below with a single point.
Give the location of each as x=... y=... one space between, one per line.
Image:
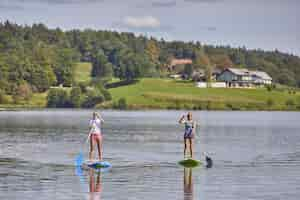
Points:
x=36 y=57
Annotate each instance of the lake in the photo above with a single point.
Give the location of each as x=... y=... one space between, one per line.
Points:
x=256 y=156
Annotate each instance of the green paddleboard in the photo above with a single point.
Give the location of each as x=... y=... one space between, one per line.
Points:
x=189 y=163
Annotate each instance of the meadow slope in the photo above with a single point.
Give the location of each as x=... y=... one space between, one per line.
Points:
x=173 y=94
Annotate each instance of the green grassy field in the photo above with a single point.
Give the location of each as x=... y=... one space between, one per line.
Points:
x=83 y=72
x=172 y=94
x=154 y=93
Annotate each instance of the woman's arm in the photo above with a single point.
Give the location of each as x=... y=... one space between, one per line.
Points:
x=90 y=127
x=181 y=120
x=90 y=124
x=100 y=118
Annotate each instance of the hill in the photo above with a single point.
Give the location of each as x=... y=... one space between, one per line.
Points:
x=171 y=94
x=36 y=54
x=34 y=59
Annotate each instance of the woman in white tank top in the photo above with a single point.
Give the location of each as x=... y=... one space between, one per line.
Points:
x=95 y=135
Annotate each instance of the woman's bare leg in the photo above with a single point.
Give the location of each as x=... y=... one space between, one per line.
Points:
x=191 y=147
x=91 y=148
x=184 y=152
x=99 y=145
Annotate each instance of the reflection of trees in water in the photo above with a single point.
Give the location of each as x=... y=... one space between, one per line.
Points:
x=95 y=185
x=188 y=184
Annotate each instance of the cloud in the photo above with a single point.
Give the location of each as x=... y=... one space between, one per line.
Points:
x=141 y=22
x=158 y=4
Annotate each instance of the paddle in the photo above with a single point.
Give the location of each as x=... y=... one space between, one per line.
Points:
x=79 y=159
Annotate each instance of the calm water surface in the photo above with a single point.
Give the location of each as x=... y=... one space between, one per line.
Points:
x=256 y=156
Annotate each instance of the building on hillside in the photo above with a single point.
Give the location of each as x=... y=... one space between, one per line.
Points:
x=260 y=77
x=235 y=77
x=175 y=62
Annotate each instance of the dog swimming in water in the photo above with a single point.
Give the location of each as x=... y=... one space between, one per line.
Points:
x=209 y=161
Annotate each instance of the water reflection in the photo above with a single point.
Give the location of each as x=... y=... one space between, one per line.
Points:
x=143 y=146
x=188 y=186
x=95 y=185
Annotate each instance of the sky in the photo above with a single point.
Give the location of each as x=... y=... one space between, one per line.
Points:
x=255 y=24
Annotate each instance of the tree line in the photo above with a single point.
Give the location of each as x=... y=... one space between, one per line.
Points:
x=36 y=57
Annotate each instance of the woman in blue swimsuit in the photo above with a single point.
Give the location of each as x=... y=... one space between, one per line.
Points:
x=189 y=131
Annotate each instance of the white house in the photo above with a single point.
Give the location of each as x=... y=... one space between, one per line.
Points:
x=235 y=77
x=260 y=77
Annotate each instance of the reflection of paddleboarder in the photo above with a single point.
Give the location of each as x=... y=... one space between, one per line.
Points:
x=95 y=187
x=188 y=184
x=189 y=131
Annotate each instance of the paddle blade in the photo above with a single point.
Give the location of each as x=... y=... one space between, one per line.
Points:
x=79 y=159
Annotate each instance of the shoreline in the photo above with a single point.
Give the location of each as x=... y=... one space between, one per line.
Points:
x=146 y=109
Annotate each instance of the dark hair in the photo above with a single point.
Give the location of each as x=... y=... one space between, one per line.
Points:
x=94 y=115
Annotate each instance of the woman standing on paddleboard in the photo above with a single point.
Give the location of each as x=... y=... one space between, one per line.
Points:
x=189 y=131
x=95 y=135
